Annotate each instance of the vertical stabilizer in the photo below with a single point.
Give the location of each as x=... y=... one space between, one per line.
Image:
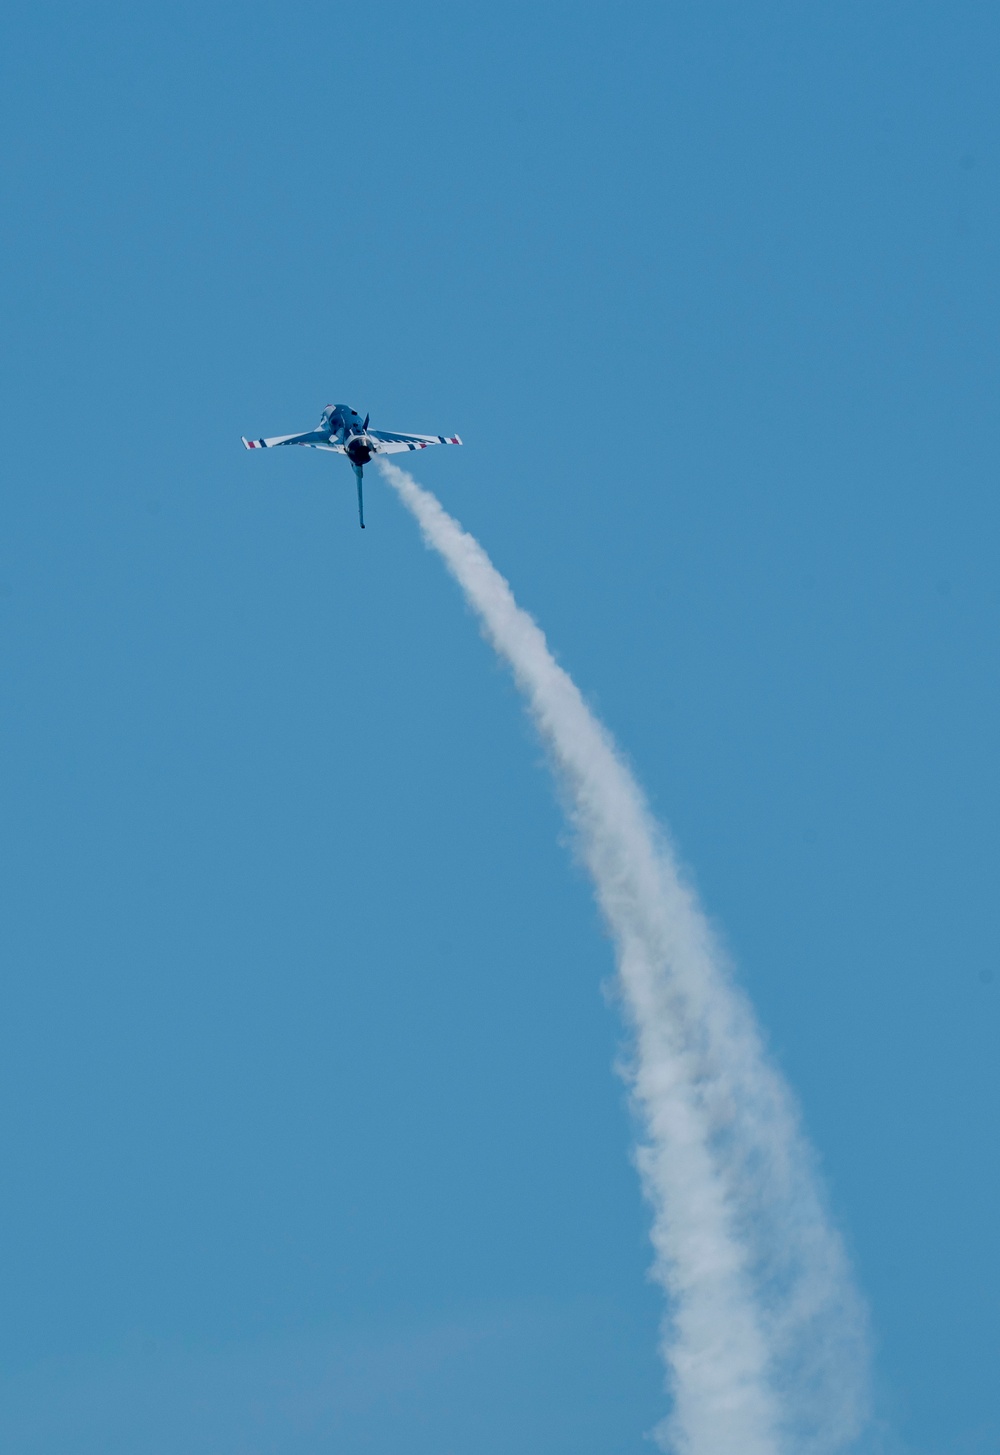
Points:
x=359 y=471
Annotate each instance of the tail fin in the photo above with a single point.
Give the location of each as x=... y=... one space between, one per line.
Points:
x=359 y=471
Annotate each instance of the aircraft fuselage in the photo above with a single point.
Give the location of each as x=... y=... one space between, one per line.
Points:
x=346 y=427
x=342 y=429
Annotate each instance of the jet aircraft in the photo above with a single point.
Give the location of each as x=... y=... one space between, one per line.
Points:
x=342 y=430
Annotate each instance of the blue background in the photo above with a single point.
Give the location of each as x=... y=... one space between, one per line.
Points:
x=309 y=1132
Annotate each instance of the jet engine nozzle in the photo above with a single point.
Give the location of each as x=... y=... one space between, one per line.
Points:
x=359 y=448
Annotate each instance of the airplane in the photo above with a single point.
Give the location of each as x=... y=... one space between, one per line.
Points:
x=342 y=430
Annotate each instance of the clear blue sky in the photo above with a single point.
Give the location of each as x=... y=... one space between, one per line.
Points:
x=309 y=1132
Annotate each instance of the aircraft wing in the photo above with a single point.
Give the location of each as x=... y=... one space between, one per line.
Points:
x=394 y=444
x=312 y=438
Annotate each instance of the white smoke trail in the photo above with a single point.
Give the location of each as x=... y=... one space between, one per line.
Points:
x=765 y=1342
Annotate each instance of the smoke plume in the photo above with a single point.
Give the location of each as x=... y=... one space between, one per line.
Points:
x=764 y=1340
